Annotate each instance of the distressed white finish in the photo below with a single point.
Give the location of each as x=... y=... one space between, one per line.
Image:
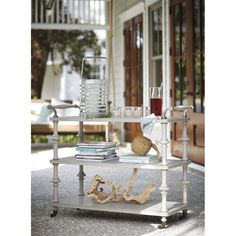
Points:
x=162 y=209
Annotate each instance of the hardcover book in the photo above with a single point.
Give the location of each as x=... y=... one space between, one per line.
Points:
x=98 y=145
x=133 y=158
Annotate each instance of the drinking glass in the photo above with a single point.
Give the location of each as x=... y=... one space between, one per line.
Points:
x=156 y=101
x=128 y=112
x=146 y=110
x=137 y=111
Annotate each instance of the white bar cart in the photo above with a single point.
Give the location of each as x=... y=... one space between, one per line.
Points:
x=163 y=209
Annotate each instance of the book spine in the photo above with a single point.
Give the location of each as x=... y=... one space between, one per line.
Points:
x=89 y=157
x=98 y=160
x=94 y=153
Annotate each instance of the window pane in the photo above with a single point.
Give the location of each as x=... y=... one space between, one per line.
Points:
x=158 y=72
x=157 y=32
x=155 y=50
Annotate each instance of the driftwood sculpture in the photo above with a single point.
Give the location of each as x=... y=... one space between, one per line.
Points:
x=116 y=194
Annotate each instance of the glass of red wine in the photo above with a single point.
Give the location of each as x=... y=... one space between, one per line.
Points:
x=156 y=101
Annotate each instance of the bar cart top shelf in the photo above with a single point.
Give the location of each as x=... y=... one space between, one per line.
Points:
x=121 y=119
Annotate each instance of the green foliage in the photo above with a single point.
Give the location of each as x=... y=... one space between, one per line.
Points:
x=65 y=138
x=39 y=138
x=71 y=45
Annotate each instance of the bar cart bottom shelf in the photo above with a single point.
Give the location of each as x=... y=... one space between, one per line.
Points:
x=152 y=208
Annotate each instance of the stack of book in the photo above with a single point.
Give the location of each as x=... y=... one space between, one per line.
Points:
x=133 y=158
x=96 y=151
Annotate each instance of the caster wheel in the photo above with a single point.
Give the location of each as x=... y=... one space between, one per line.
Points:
x=163 y=224
x=54 y=213
x=184 y=215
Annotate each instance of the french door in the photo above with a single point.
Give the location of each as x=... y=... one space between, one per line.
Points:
x=133 y=70
x=187 y=72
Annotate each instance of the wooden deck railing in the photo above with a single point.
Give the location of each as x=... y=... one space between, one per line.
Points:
x=70 y=14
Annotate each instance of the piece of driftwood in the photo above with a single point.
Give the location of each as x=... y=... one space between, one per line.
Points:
x=116 y=194
x=101 y=196
x=141 y=197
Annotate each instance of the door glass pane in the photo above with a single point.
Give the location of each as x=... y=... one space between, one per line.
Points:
x=139 y=81
x=177 y=30
x=183 y=23
x=128 y=35
x=198 y=59
x=197 y=75
x=197 y=25
x=128 y=69
x=185 y=82
x=203 y=24
x=203 y=54
x=139 y=43
x=203 y=83
x=177 y=91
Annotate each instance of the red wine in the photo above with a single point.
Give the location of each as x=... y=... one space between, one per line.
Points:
x=156 y=106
